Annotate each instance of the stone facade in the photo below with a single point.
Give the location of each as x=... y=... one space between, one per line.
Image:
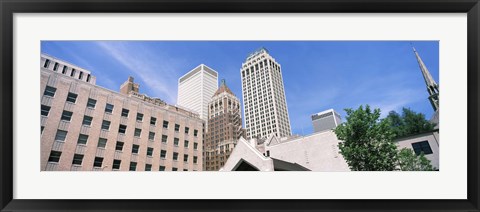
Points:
x=224 y=128
x=89 y=128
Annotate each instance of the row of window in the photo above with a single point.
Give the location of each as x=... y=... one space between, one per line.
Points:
x=64 y=70
x=83 y=139
x=98 y=162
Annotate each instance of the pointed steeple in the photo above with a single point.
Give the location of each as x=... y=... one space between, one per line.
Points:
x=432 y=86
x=223 y=88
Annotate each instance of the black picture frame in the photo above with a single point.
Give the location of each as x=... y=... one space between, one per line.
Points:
x=10 y=7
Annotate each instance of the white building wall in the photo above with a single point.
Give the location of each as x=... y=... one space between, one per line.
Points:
x=317 y=152
x=433 y=140
x=264 y=100
x=196 y=88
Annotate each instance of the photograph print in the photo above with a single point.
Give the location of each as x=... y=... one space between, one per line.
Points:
x=324 y=106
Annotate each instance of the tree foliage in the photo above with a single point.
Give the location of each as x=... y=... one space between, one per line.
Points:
x=409 y=161
x=367 y=141
x=409 y=123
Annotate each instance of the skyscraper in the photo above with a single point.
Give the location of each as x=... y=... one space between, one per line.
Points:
x=325 y=120
x=263 y=93
x=224 y=127
x=196 y=88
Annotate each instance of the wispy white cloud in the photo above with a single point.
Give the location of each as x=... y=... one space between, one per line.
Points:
x=156 y=70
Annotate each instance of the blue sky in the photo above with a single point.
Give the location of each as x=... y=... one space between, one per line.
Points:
x=318 y=75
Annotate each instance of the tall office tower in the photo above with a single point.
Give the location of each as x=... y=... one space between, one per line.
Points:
x=85 y=127
x=432 y=86
x=325 y=120
x=128 y=86
x=224 y=127
x=196 y=88
x=264 y=101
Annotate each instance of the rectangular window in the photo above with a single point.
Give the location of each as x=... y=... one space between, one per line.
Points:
x=82 y=139
x=135 y=148
x=195 y=133
x=176 y=141
x=55 y=67
x=116 y=164
x=163 y=154
x=174 y=169
x=122 y=128
x=422 y=146
x=91 y=103
x=151 y=136
x=77 y=159
x=125 y=112
x=185 y=158
x=186 y=130
x=50 y=91
x=80 y=75
x=66 y=115
x=149 y=151
x=164 y=139
x=119 y=146
x=177 y=127
x=64 y=70
x=175 y=156
x=46 y=64
x=161 y=168
x=102 y=143
x=45 y=110
x=72 y=97
x=139 y=116
x=72 y=73
x=87 y=120
x=195 y=145
x=137 y=132
x=153 y=121
x=88 y=77
x=61 y=135
x=148 y=167
x=105 y=125
x=195 y=159
x=54 y=156
x=133 y=166
x=185 y=144
x=165 y=124
x=98 y=162
x=109 y=108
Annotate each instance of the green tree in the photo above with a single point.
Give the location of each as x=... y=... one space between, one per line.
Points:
x=409 y=123
x=409 y=161
x=367 y=141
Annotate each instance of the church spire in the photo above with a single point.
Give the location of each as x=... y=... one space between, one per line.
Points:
x=432 y=86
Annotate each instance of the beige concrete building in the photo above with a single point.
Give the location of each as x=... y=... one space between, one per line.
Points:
x=224 y=127
x=89 y=128
x=315 y=152
x=427 y=142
